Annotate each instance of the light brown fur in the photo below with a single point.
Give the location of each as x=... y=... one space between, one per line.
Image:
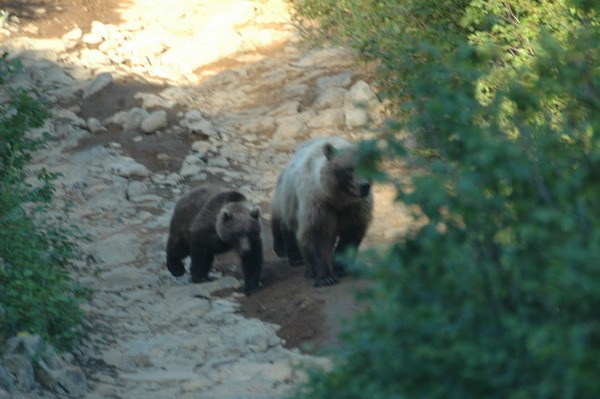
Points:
x=320 y=207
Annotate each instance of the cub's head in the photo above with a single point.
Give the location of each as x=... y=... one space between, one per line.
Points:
x=238 y=225
x=340 y=176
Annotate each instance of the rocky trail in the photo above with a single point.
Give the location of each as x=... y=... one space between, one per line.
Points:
x=149 y=99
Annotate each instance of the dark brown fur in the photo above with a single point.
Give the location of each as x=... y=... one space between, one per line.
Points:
x=320 y=208
x=211 y=220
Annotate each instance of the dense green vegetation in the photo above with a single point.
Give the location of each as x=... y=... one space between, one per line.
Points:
x=36 y=293
x=497 y=294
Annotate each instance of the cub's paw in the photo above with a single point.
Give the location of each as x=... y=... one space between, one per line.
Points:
x=176 y=270
x=327 y=280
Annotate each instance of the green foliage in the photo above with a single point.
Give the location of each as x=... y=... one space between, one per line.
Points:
x=36 y=293
x=496 y=294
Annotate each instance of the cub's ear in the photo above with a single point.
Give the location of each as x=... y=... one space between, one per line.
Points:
x=225 y=214
x=328 y=150
x=255 y=212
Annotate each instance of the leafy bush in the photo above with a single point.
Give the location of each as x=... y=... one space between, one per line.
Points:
x=497 y=294
x=36 y=293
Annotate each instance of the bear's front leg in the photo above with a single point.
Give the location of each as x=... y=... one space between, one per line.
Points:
x=202 y=259
x=252 y=267
x=177 y=249
x=317 y=250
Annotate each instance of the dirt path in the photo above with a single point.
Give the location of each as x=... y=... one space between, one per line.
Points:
x=230 y=95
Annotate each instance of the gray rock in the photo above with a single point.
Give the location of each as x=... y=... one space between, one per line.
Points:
x=326 y=58
x=156 y=120
x=288 y=108
x=150 y=100
x=361 y=93
x=95 y=126
x=262 y=124
x=201 y=147
x=20 y=366
x=135 y=117
x=68 y=380
x=203 y=127
x=219 y=162
x=189 y=170
x=100 y=82
x=29 y=345
x=332 y=117
x=6 y=381
x=137 y=190
x=330 y=97
x=356 y=117
x=340 y=80
x=289 y=127
x=295 y=90
x=127 y=167
x=117 y=249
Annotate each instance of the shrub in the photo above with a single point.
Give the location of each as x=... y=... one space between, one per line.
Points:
x=36 y=293
x=496 y=295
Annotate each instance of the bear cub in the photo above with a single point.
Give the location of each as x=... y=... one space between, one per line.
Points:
x=321 y=207
x=211 y=220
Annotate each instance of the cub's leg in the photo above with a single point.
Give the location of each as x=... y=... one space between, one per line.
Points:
x=177 y=249
x=202 y=259
x=278 y=240
x=252 y=267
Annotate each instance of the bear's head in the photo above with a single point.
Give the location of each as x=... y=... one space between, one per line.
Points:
x=340 y=176
x=238 y=225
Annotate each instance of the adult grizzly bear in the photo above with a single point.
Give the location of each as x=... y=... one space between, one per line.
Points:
x=212 y=220
x=320 y=207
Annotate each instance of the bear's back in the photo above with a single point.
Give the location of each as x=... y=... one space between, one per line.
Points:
x=201 y=205
x=303 y=172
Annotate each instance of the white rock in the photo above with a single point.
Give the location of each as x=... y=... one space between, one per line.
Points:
x=330 y=97
x=92 y=38
x=259 y=125
x=156 y=120
x=100 y=82
x=135 y=117
x=340 y=80
x=289 y=127
x=150 y=100
x=295 y=90
x=288 y=108
x=220 y=162
x=201 y=147
x=189 y=170
x=93 y=57
x=95 y=126
x=204 y=127
x=327 y=118
x=356 y=117
x=128 y=168
x=361 y=93
x=326 y=57
x=73 y=35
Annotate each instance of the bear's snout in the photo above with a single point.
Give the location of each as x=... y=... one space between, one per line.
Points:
x=364 y=188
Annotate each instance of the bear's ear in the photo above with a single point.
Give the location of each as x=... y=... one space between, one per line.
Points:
x=225 y=214
x=328 y=150
x=255 y=212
